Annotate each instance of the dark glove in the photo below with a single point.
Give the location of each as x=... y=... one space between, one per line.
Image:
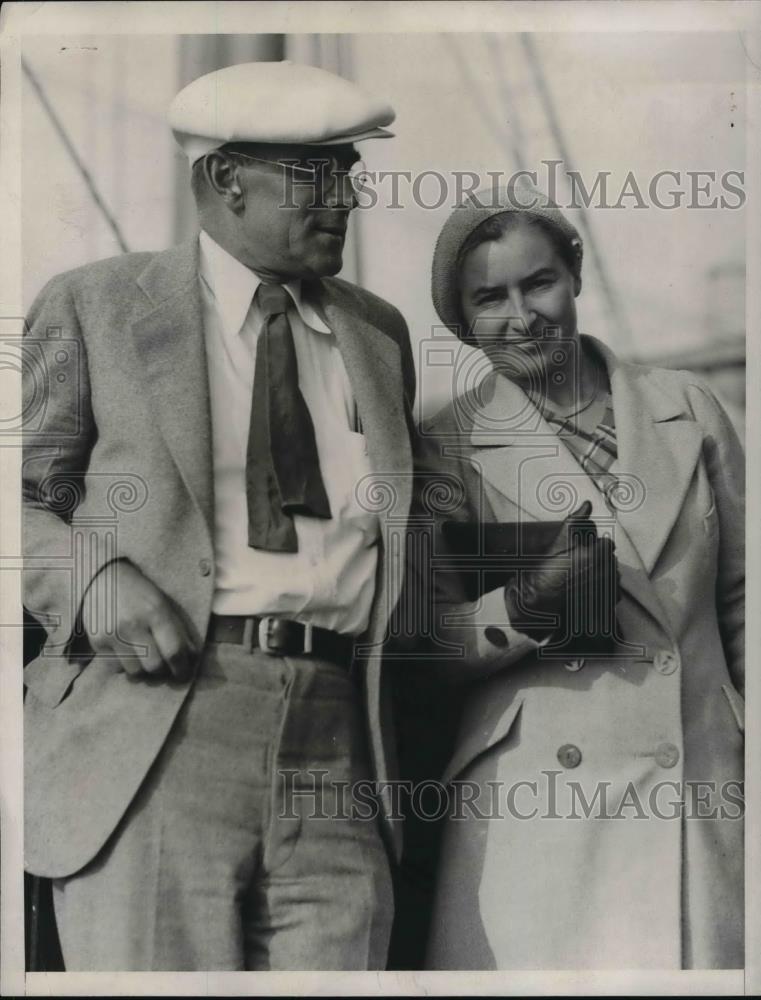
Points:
x=576 y=584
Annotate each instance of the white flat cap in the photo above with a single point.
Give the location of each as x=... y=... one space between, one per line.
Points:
x=277 y=102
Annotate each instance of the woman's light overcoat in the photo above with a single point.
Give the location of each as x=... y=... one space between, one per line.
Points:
x=591 y=864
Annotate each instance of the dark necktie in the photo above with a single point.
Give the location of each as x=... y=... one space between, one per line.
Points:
x=282 y=467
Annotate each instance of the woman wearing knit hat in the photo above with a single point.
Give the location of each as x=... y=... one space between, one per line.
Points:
x=596 y=812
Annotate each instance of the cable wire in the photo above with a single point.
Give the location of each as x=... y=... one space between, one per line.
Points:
x=77 y=160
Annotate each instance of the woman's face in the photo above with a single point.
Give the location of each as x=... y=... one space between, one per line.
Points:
x=517 y=296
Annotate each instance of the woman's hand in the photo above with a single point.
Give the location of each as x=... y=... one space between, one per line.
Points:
x=577 y=583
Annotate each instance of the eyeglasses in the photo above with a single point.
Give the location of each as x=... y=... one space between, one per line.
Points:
x=321 y=171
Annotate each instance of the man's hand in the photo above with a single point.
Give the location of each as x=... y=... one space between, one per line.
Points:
x=578 y=578
x=144 y=618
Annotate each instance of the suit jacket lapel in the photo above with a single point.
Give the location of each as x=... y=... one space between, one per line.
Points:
x=170 y=342
x=374 y=366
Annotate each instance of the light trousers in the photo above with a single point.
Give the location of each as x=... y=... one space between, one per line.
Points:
x=248 y=845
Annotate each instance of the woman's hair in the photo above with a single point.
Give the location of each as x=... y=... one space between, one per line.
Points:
x=495 y=228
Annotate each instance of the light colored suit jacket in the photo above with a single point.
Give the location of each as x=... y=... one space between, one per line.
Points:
x=596 y=893
x=118 y=463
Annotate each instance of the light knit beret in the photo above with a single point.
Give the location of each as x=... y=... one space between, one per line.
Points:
x=520 y=196
x=276 y=102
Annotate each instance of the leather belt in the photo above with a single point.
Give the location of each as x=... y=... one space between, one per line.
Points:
x=282 y=637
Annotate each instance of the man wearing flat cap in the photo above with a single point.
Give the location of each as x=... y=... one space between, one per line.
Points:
x=206 y=721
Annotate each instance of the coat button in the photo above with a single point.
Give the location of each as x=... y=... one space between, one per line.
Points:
x=204 y=566
x=569 y=755
x=496 y=637
x=666 y=754
x=574 y=665
x=665 y=661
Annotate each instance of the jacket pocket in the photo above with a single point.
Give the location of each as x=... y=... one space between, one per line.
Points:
x=49 y=678
x=478 y=739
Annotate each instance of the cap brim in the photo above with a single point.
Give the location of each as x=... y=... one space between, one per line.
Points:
x=344 y=140
x=196 y=146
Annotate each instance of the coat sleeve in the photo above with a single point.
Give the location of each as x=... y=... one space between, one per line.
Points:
x=58 y=434
x=725 y=463
x=464 y=639
x=408 y=366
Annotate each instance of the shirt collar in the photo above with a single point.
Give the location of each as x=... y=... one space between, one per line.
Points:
x=234 y=285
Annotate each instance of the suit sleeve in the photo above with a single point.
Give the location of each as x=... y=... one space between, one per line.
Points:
x=59 y=432
x=725 y=463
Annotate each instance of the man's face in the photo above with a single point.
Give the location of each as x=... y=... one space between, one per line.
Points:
x=294 y=223
x=518 y=299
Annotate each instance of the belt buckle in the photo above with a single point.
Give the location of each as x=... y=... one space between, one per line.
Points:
x=307 y=638
x=269 y=642
x=266 y=635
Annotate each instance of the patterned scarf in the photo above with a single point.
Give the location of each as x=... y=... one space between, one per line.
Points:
x=595 y=449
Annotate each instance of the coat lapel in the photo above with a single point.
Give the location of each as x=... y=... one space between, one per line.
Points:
x=658 y=446
x=523 y=460
x=170 y=343
x=548 y=484
x=529 y=468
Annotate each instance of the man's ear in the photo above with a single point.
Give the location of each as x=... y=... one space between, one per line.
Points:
x=576 y=285
x=222 y=177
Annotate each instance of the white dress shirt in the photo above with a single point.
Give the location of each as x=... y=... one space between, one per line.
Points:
x=330 y=581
